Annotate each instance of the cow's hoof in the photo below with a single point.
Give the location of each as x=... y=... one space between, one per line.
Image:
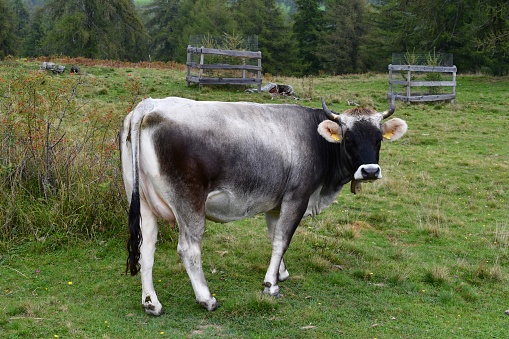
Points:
x=210 y=305
x=272 y=290
x=153 y=309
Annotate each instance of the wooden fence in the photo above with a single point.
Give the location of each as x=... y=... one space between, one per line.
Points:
x=248 y=74
x=436 y=86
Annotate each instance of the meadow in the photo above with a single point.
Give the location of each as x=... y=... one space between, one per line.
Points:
x=421 y=253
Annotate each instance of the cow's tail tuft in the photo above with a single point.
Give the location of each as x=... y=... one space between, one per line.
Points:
x=135 y=234
x=135 y=237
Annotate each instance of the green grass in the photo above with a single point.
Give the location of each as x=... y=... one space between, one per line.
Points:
x=422 y=253
x=140 y=3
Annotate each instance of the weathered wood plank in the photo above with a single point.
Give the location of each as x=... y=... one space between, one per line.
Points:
x=424 y=83
x=419 y=68
x=224 y=81
x=422 y=98
x=224 y=66
x=239 y=54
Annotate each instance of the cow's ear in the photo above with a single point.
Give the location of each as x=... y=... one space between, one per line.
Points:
x=330 y=131
x=393 y=129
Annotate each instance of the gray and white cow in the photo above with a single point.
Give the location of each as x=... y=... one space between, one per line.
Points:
x=188 y=161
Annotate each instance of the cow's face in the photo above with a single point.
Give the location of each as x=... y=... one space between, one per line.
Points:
x=360 y=132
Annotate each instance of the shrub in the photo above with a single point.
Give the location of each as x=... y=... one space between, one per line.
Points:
x=59 y=171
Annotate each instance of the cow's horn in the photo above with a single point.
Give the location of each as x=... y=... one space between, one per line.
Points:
x=390 y=110
x=328 y=112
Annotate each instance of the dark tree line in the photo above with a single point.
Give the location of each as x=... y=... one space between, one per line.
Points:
x=299 y=37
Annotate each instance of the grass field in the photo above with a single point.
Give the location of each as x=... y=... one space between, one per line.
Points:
x=422 y=253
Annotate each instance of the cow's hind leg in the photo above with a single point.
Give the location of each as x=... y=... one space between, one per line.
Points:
x=189 y=249
x=272 y=218
x=149 y=299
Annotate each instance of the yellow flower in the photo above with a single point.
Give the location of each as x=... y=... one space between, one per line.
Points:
x=70 y=282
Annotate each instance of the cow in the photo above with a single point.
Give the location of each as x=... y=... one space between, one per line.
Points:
x=189 y=161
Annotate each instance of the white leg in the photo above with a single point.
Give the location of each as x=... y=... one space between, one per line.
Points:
x=271 y=277
x=272 y=218
x=281 y=228
x=189 y=249
x=149 y=299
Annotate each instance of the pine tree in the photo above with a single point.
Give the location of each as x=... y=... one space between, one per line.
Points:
x=162 y=26
x=341 y=41
x=275 y=40
x=8 y=40
x=34 y=42
x=110 y=29
x=207 y=18
x=307 y=29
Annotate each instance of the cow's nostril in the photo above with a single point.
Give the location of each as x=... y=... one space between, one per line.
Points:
x=370 y=172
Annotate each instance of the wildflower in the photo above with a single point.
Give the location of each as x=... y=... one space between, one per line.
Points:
x=70 y=282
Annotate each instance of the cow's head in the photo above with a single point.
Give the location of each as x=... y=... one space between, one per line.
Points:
x=360 y=132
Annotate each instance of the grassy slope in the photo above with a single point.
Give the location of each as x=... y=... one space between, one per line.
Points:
x=421 y=253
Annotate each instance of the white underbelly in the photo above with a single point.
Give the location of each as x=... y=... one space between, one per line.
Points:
x=224 y=206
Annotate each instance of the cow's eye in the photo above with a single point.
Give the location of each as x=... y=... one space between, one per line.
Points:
x=348 y=140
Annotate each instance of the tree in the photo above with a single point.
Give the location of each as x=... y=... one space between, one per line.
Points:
x=307 y=29
x=110 y=29
x=8 y=39
x=492 y=36
x=265 y=19
x=342 y=37
x=204 y=17
x=22 y=17
x=34 y=42
x=162 y=26
x=475 y=31
x=172 y=22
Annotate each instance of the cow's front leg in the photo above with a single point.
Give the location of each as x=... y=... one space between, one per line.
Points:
x=272 y=276
x=282 y=232
x=149 y=299
x=189 y=249
x=272 y=218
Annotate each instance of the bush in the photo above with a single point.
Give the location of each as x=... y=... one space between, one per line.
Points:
x=59 y=161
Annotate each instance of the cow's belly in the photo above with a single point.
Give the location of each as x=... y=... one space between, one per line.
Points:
x=224 y=205
x=154 y=199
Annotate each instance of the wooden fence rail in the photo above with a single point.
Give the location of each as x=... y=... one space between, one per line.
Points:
x=409 y=83
x=250 y=75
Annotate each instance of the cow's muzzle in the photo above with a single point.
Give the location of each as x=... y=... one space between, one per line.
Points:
x=368 y=172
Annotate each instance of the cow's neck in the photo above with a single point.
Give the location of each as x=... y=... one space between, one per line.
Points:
x=339 y=171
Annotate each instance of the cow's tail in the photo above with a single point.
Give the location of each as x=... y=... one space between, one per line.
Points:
x=135 y=235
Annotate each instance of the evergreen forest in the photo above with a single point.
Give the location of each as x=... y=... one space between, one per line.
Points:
x=296 y=37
